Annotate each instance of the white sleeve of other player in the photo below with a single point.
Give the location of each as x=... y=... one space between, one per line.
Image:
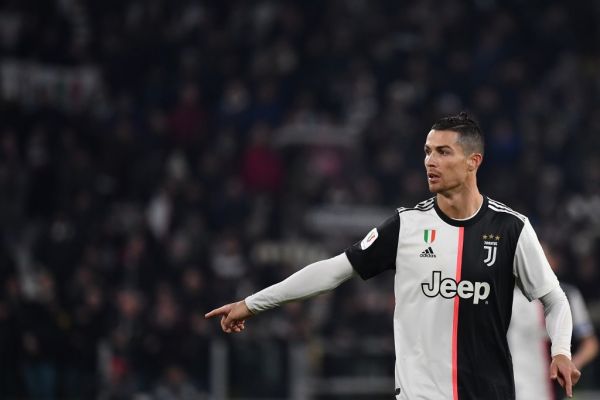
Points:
x=582 y=324
x=310 y=281
x=558 y=321
x=531 y=268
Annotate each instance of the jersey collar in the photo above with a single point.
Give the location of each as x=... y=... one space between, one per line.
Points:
x=465 y=222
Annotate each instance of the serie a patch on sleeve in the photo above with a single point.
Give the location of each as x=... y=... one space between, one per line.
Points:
x=369 y=239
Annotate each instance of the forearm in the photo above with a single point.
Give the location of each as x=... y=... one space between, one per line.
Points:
x=558 y=321
x=310 y=281
x=587 y=351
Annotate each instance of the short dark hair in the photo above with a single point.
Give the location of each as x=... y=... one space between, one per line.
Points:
x=469 y=132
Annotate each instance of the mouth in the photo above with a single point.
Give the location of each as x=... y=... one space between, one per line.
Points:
x=433 y=177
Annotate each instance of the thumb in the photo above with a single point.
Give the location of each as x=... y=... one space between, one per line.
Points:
x=229 y=320
x=233 y=316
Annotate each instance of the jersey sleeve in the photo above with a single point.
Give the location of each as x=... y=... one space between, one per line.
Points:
x=582 y=324
x=534 y=275
x=377 y=251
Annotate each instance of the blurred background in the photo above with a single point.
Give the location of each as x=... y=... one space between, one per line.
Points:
x=160 y=158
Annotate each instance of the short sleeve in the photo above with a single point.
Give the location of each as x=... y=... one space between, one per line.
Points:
x=582 y=324
x=377 y=251
x=531 y=268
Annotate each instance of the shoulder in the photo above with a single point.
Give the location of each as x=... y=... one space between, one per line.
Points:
x=503 y=209
x=424 y=205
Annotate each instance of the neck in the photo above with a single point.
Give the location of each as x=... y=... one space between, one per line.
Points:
x=460 y=204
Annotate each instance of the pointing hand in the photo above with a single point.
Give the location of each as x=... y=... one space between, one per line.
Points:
x=233 y=316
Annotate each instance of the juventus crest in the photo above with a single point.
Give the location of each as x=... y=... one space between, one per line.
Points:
x=490 y=245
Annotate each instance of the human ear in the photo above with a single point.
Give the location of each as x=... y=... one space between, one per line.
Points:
x=474 y=161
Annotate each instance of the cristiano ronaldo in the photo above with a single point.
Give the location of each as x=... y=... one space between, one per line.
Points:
x=457 y=258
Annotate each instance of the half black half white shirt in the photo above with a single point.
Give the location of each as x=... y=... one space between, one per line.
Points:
x=454 y=282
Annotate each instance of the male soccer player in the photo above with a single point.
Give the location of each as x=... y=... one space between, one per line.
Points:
x=527 y=340
x=457 y=257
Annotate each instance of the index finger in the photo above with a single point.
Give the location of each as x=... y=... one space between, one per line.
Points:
x=568 y=384
x=217 y=311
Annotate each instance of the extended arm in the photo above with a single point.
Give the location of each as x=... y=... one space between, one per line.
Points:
x=367 y=258
x=310 y=281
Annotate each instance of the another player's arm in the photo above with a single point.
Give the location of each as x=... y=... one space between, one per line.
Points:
x=586 y=352
x=374 y=254
x=536 y=280
x=583 y=330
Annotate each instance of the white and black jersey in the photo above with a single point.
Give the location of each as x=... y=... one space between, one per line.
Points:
x=454 y=289
x=528 y=342
x=582 y=323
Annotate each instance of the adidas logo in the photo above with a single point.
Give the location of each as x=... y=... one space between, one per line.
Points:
x=428 y=252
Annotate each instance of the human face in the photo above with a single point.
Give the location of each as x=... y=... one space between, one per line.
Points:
x=446 y=164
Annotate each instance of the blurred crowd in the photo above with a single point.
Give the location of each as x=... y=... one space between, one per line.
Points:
x=161 y=158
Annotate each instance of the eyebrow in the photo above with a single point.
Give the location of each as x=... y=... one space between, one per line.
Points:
x=442 y=147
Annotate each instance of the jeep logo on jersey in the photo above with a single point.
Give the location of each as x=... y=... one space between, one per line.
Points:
x=449 y=288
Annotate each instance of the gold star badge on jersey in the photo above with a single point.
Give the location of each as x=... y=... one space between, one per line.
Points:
x=491 y=236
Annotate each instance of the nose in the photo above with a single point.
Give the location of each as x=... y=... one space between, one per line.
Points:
x=430 y=160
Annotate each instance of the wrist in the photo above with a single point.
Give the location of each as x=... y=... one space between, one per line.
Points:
x=561 y=354
x=248 y=305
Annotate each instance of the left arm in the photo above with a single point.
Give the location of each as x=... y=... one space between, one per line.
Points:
x=558 y=321
x=536 y=280
x=559 y=326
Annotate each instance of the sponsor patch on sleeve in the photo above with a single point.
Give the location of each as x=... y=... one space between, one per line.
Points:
x=369 y=239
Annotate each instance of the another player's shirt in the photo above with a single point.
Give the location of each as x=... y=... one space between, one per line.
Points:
x=528 y=342
x=454 y=288
x=582 y=323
